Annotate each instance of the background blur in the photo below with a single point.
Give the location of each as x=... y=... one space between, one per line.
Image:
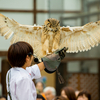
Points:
x=79 y=70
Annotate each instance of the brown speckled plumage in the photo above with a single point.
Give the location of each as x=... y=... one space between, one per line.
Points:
x=50 y=37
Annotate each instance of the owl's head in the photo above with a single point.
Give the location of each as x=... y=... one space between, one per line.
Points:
x=52 y=24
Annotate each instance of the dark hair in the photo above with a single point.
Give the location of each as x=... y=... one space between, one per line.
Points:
x=86 y=93
x=17 y=53
x=70 y=93
x=60 y=98
x=40 y=96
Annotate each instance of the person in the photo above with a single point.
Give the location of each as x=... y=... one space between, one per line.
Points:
x=69 y=93
x=3 y=98
x=60 y=98
x=19 y=78
x=50 y=92
x=39 y=87
x=40 y=97
x=84 y=95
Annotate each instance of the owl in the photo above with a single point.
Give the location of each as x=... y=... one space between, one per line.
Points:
x=51 y=36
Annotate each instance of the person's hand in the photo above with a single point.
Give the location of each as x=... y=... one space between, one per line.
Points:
x=52 y=61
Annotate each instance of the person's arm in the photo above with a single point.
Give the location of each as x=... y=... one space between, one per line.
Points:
x=51 y=62
x=41 y=66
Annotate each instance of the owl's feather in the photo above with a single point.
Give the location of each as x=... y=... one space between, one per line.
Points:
x=28 y=33
x=50 y=37
x=80 y=38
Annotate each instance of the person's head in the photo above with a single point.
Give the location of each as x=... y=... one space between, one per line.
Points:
x=3 y=98
x=60 y=98
x=84 y=95
x=50 y=93
x=39 y=87
x=40 y=97
x=69 y=93
x=18 y=54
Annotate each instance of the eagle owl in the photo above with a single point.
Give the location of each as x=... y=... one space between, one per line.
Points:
x=50 y=37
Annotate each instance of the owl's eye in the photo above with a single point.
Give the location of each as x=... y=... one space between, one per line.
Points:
x=50 y=26
x=48 y=23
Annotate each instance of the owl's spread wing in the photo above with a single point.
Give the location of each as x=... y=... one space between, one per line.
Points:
x=27 y=33
x=80 y=38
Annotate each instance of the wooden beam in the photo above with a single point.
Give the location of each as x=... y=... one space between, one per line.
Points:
x=39 y=11
x=10 y=10
x=96 y=2
x=57 y=11
x=3 y=53
x=99 y=78
x=34 y=11
x=65 y=60
x=81 y=15
x=0 y=77
x=5 y=67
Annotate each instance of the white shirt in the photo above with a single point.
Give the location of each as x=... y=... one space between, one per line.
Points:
x=21 y=84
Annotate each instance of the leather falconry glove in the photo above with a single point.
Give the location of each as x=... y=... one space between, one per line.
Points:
x=52 y=62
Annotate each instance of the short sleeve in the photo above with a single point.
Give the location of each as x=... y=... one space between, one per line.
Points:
x=34 y=71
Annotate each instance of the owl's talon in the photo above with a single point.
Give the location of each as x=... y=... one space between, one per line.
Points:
x=53 y=50
x=47 y=52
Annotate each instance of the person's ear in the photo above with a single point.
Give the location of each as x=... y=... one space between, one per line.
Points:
x=27 y=58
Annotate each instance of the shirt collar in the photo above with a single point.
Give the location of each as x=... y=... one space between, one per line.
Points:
x=19 y=69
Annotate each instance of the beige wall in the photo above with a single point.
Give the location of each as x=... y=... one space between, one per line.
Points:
x=51 y=78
